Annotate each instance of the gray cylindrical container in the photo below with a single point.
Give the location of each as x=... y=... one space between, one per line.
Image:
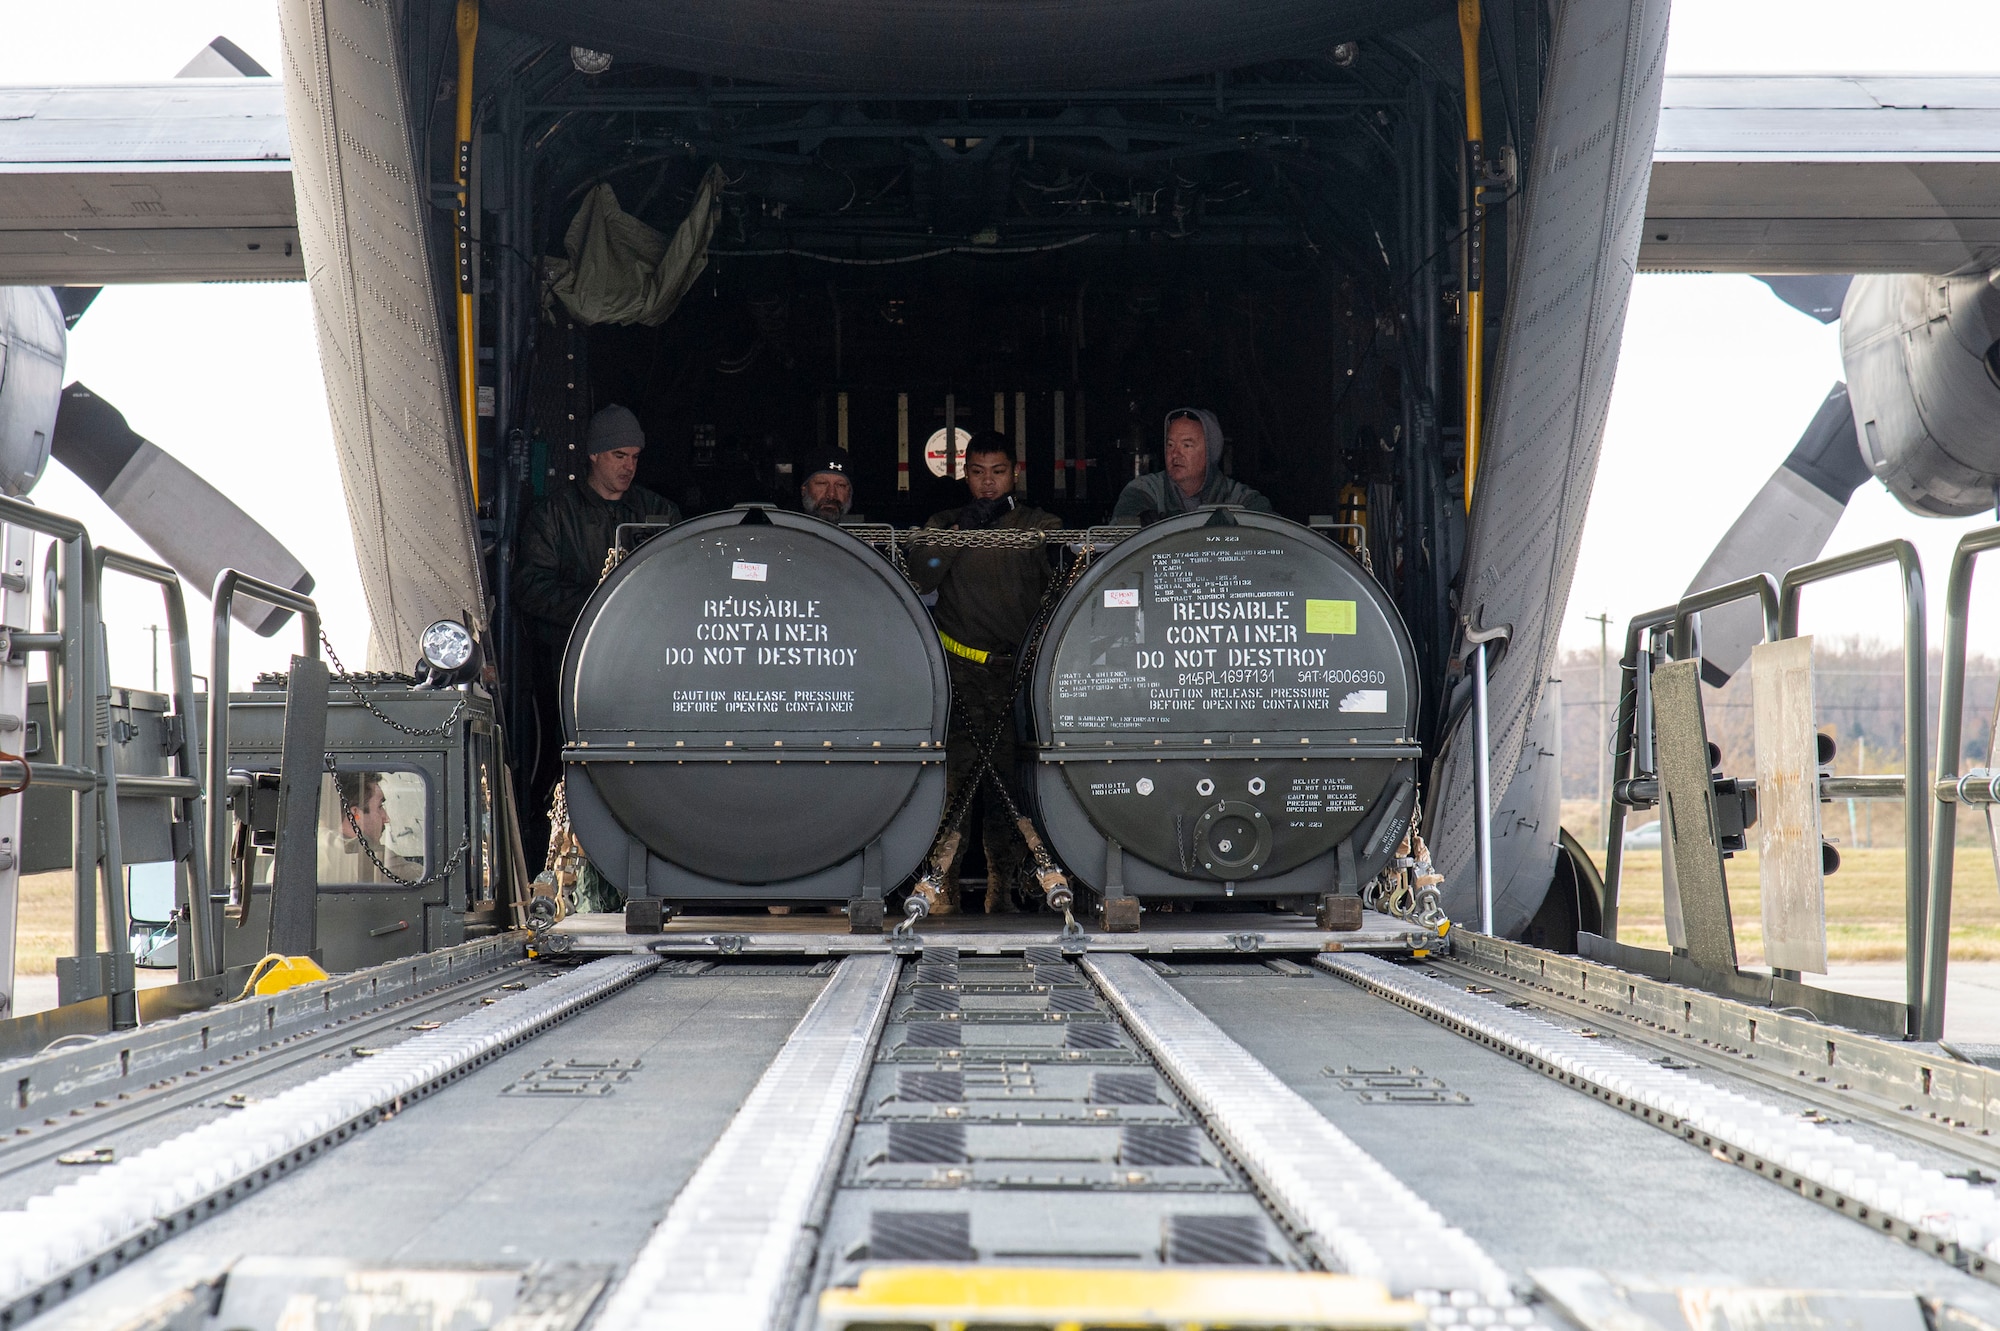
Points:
x=754 y=709
x=1230 y=701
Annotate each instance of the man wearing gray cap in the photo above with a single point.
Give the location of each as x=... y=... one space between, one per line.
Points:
x=563 y=542
x=1193 y=475
x=557 y=566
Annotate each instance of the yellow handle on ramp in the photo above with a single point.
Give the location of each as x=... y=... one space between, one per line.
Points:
x=947 y=1298
x=278 y=972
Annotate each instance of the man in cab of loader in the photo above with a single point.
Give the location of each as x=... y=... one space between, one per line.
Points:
x=1192 y=477
x=354 y=834
x=987 y=599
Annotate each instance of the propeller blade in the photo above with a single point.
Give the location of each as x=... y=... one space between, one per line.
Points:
x=1817 y=294
x=73 y=301
x=1785 y=524
x=196 y=529
x=223 y=59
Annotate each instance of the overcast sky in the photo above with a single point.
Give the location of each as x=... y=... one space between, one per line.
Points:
x=1716 y=379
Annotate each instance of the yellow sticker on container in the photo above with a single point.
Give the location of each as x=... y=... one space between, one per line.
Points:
x=1329 y=616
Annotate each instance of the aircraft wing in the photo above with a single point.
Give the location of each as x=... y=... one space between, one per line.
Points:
x=188 y=180
x=1768 y=173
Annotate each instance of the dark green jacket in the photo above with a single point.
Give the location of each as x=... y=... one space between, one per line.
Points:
x=1155 y=492
x=562 y=549
x=986 y=598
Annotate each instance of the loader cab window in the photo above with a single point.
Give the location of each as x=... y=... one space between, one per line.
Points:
x=149 y=908
x=149 y=892
x=373 y=828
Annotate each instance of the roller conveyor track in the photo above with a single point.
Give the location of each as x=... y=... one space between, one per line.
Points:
x=943 y=1128
x=36 y=1145
x=1034 y=1111
x=75 y=1234
x=1831 y=1096
x=1948 y=1216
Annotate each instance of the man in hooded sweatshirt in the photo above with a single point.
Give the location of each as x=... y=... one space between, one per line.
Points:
x=986 y=602
x=1193 y=476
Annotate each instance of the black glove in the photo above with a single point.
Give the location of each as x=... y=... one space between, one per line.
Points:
x=984 y=512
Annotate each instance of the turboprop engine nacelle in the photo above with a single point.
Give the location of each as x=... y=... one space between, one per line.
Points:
x=1923 y=372
x=33 y=342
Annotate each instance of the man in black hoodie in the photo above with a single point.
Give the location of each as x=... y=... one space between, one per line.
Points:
x=986 y=601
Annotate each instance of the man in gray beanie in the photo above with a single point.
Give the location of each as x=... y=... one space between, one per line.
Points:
x=561 y=552
x=1193 y=476
x=561 y=555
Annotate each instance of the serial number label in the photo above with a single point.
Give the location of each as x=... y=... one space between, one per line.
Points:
x=1233 y=627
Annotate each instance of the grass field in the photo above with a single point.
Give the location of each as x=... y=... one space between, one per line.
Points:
x=46 y=923
x=1864 y=905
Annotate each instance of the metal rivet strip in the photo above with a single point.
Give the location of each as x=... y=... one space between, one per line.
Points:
x=1340 y=1198
x=726 y=1255
x=1943 y=1216
x=63 y=1239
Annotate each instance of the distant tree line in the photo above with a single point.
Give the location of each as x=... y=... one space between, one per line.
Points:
x=1857 y=695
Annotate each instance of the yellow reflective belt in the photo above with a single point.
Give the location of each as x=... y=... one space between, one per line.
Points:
x=957 y=648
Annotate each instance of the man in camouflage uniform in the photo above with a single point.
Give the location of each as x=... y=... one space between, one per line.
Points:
x=986 y=602
x=559 y=561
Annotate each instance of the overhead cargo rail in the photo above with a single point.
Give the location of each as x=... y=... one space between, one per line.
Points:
x=190 y=180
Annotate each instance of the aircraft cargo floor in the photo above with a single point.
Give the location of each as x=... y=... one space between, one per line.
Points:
x=738 y=1141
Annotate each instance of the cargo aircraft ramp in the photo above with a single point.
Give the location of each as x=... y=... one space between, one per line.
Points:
x=982 y=1129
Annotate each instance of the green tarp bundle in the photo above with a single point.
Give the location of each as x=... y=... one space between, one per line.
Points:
x=621 y=271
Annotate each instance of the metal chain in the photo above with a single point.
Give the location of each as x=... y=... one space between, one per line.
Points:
x=444 y=870
x=982 y=766
x=1407 y=887
x=439 y=731
x=895 y=544
x=1010 y=538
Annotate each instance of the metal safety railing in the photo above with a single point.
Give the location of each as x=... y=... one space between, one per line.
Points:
x=1635 y=783
x=1924 y=948
x=1927 y=888
x=229 y=584
x=1632 y=750
x=201 y=955
x=86 y=745
x=1977 y=787
x=79 y=699
x=1687 y=612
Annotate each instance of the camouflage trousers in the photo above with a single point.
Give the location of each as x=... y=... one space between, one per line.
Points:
x=981 y=697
